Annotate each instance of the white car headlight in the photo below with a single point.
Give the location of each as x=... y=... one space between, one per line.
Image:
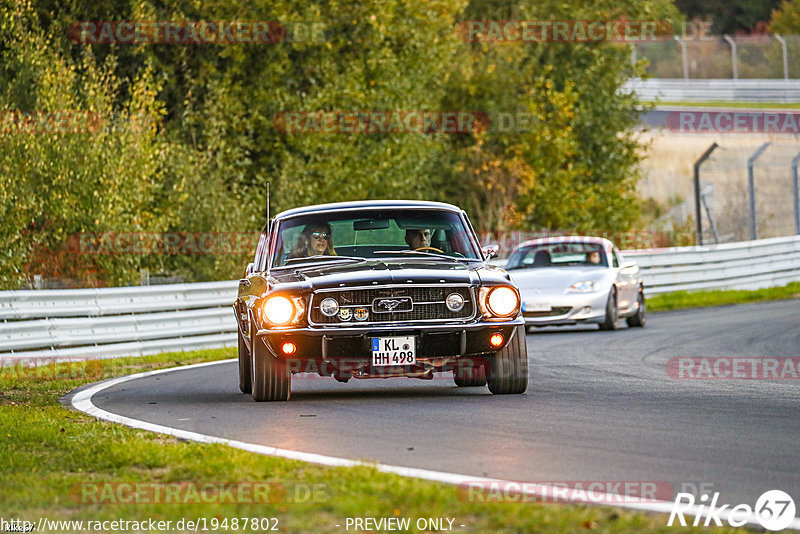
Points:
x=502 y=301
x=278 y=310
x=584 y=286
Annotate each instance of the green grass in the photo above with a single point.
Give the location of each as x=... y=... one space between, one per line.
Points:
x=49 y=451
x=744 y=105
x=694 y=299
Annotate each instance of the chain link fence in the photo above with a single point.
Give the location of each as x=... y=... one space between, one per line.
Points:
x=749 y=192
x=714 y=57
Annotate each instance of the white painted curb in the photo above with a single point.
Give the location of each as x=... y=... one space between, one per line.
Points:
x=82 y=401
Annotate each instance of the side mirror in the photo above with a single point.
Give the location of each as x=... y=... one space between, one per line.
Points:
x=489 y=251
x=629 y=267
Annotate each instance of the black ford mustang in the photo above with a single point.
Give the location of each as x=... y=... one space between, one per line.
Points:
x=377 y=289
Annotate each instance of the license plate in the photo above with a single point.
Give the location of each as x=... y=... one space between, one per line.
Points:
x=393 y=351
x=536 y=306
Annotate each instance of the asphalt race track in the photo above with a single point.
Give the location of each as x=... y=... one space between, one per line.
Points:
x=600 y=406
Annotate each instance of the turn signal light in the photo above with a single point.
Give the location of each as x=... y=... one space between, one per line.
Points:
x=496 y=340
x=289 y=348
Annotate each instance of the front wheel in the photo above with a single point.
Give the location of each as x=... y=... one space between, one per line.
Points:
x=612 y=313
x=508 y=369
x=272 y=378
x=244 y=365
x=639 y=319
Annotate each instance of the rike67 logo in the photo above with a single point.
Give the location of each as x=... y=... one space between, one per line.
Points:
x=774 y=510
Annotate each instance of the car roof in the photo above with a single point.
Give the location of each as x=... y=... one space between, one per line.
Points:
x=568 y=239
x=368 y=204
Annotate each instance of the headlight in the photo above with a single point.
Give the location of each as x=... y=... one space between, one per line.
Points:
x=278 y=310
x=454 y=302
x=500 y=301
x=329 y=307
x=584 y=286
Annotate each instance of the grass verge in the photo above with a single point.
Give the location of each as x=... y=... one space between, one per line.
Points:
x=680 y=300
x=63 y=465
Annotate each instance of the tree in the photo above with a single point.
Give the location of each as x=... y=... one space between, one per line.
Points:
x=575 y=167
x=786 y=19
x=730 y=16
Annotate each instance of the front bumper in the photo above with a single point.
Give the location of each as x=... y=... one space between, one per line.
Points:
x=565 y=308
x=355 y=343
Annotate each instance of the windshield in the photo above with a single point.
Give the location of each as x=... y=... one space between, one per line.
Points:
x=368 y=234
x=558 y=255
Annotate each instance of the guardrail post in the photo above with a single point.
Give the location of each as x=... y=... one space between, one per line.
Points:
x=698 y=214
x=785 y=56
x=795 y=163
x=734 y=59
x=684 y=57
x=752 y=188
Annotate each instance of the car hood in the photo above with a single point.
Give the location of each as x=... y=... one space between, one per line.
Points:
x=378 y=272
x=556 y=278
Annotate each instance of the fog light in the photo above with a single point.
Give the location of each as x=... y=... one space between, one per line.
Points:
x=329 y=307
x=289 y=348
x=496 y=340
x=587 y=309
x=454 y=302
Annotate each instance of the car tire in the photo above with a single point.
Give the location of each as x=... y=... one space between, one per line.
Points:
x=508 y=369
x=612 y=313
x=638 y=320
x=469 y=376
x=244 y=366
x=272 y=378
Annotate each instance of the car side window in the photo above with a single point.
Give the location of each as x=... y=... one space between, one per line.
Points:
x=615 y=259
x=259 y=263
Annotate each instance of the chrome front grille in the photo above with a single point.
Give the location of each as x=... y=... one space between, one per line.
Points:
x=428 y=304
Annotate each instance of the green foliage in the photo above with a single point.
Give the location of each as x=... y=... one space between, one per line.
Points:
x=786 y=19
x=577 y=166
x=679 y=300
x=210 y=145
x=730 y=16
x=105 y=178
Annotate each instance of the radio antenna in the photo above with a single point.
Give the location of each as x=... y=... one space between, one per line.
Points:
x=267 y=202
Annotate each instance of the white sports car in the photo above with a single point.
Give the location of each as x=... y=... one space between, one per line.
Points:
x=575 y=279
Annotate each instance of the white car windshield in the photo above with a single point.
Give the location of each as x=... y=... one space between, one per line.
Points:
x=365 y=234
x=558 y=255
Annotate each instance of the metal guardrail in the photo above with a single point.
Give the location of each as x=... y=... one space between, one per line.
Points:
x=744 y=265
x=111 y=322
x=699 y=90
x=118 y=321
